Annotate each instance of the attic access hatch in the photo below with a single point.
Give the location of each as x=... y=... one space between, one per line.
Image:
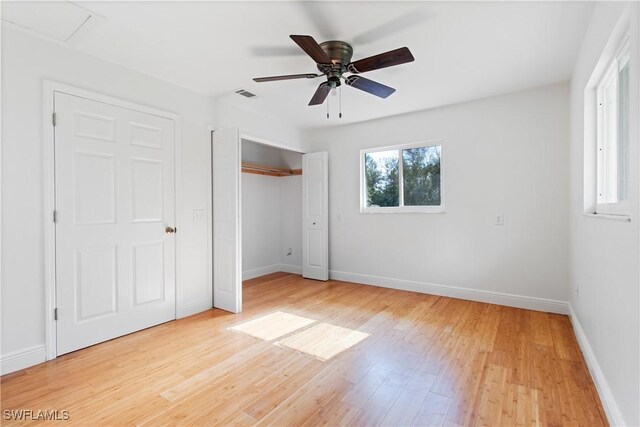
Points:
x=70 y=19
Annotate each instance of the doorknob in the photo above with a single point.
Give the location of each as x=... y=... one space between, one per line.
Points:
x=170 y=230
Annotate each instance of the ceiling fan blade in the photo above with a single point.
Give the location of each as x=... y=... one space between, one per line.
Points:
x=286 y=77
x=369 y=86
x=382 y=60
x=321 y=94
x=312 y=48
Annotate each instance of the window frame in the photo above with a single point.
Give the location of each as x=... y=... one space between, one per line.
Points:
x=401 y=208
x=610 y=72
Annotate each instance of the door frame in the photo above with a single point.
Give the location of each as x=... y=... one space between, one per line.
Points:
x=243 y=136
x=50 y=87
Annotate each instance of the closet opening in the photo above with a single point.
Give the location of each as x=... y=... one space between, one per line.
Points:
x=271 y=210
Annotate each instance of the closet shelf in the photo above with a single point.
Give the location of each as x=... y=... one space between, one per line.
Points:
x=268 y=170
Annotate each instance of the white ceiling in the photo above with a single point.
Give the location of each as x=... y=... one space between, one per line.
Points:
x=57 y=20
x=463 y=50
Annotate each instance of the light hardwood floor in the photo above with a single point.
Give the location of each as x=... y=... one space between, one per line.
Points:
x=428 y=361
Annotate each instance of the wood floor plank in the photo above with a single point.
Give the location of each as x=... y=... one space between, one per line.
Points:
x=381 y=401
x=406 y=406
x=428 y=360
x=433 y=410
x=563 y=339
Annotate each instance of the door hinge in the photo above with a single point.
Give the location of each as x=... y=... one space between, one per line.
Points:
x=55 y=216
x=53 y=119
x=55 y=314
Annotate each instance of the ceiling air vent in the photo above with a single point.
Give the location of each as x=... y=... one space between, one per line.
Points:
x=245 y=93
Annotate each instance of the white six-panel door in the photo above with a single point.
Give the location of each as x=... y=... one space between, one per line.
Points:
x=227 y=241
x=115 y=260
x=315 y=216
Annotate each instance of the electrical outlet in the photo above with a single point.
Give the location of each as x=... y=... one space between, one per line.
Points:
x=339 y=217
x=498 y=219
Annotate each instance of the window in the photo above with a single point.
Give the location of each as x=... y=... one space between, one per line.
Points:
x=612 y=135
x=403 y=178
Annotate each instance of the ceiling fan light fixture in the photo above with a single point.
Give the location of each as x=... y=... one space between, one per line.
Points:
x=334 y=80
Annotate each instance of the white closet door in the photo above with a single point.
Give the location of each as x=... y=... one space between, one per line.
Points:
x=227 y=259
x=114 y=180
x=315 y=216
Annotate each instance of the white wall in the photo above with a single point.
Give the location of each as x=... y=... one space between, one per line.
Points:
x=238 y=113
x=26 y=62
x=271 y=224
x=260 y=224
x=507 y=155
x=268 y=155
x=604 y=273
x=291 y=221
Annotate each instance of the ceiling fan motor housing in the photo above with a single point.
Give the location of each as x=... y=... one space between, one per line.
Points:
x=338 y=51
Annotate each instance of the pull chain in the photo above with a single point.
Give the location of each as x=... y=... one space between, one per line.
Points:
x=333 y=93
x=328 y=102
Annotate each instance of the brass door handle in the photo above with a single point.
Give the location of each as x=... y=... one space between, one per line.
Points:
x=170 y=230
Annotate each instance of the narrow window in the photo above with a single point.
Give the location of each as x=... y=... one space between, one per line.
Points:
x=612 y=167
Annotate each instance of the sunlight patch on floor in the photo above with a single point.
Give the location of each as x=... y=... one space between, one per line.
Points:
x=272 y=326
x=323 y=340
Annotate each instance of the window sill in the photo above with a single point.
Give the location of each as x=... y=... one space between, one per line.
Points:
x=435 y=210
x=620 y=218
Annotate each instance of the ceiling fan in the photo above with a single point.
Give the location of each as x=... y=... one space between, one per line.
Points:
x=333 y=59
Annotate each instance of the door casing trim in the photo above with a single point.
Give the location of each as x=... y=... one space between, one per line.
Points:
x=49 y=89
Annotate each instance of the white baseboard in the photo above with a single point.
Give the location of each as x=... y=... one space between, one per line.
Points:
x=23 y=358
x=531 y=303
x=260 y=271
x=268 y=269
x=290 y=268
x=614 y=415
